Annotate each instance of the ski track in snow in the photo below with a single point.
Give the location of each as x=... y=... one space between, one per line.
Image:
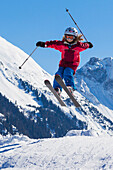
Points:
x=76 y=152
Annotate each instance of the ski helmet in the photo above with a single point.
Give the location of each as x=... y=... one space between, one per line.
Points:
x=71 y=31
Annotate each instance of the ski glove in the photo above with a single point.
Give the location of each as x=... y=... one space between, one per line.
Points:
x=40 y=44
x=90 y=44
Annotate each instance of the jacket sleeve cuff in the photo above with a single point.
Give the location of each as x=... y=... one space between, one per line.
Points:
x=46 y=44
x=90 y=44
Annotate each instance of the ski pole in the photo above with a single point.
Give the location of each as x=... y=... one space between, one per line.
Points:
x=27 y=58
x=76 y=24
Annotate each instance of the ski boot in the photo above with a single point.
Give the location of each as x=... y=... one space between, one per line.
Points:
x=70 y=89
x=57 y=89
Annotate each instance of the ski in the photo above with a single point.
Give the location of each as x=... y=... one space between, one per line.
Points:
x=61 y=83
x=48 y=84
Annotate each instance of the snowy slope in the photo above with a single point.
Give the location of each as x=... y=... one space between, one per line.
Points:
x=27 y=107
x=26 y=91
x=78 y=152
x=11 y=58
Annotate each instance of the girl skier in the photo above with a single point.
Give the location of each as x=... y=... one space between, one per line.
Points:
x=70 y=47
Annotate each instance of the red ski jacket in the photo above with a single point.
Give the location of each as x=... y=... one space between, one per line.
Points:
x=70 y=55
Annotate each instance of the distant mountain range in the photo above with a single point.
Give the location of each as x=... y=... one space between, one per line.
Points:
x=27 y=106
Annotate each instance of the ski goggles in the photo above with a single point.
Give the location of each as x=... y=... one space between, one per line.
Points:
x=71 y=37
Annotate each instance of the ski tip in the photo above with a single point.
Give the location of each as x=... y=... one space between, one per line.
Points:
x=57 y=76
x=46 y=82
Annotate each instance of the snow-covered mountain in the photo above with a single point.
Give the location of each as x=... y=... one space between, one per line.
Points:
x=28 y=107
x=98 y=76
x=95 y=82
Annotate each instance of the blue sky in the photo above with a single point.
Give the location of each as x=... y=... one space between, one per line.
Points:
x=25 y=22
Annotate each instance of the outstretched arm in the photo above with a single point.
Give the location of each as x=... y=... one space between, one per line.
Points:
x=57 y=45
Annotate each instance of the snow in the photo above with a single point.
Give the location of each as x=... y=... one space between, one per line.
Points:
x=11 y=58
x=109 y=64
x=1 y=115
x=85 y=149
x=97 y=85
x=71 y=152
